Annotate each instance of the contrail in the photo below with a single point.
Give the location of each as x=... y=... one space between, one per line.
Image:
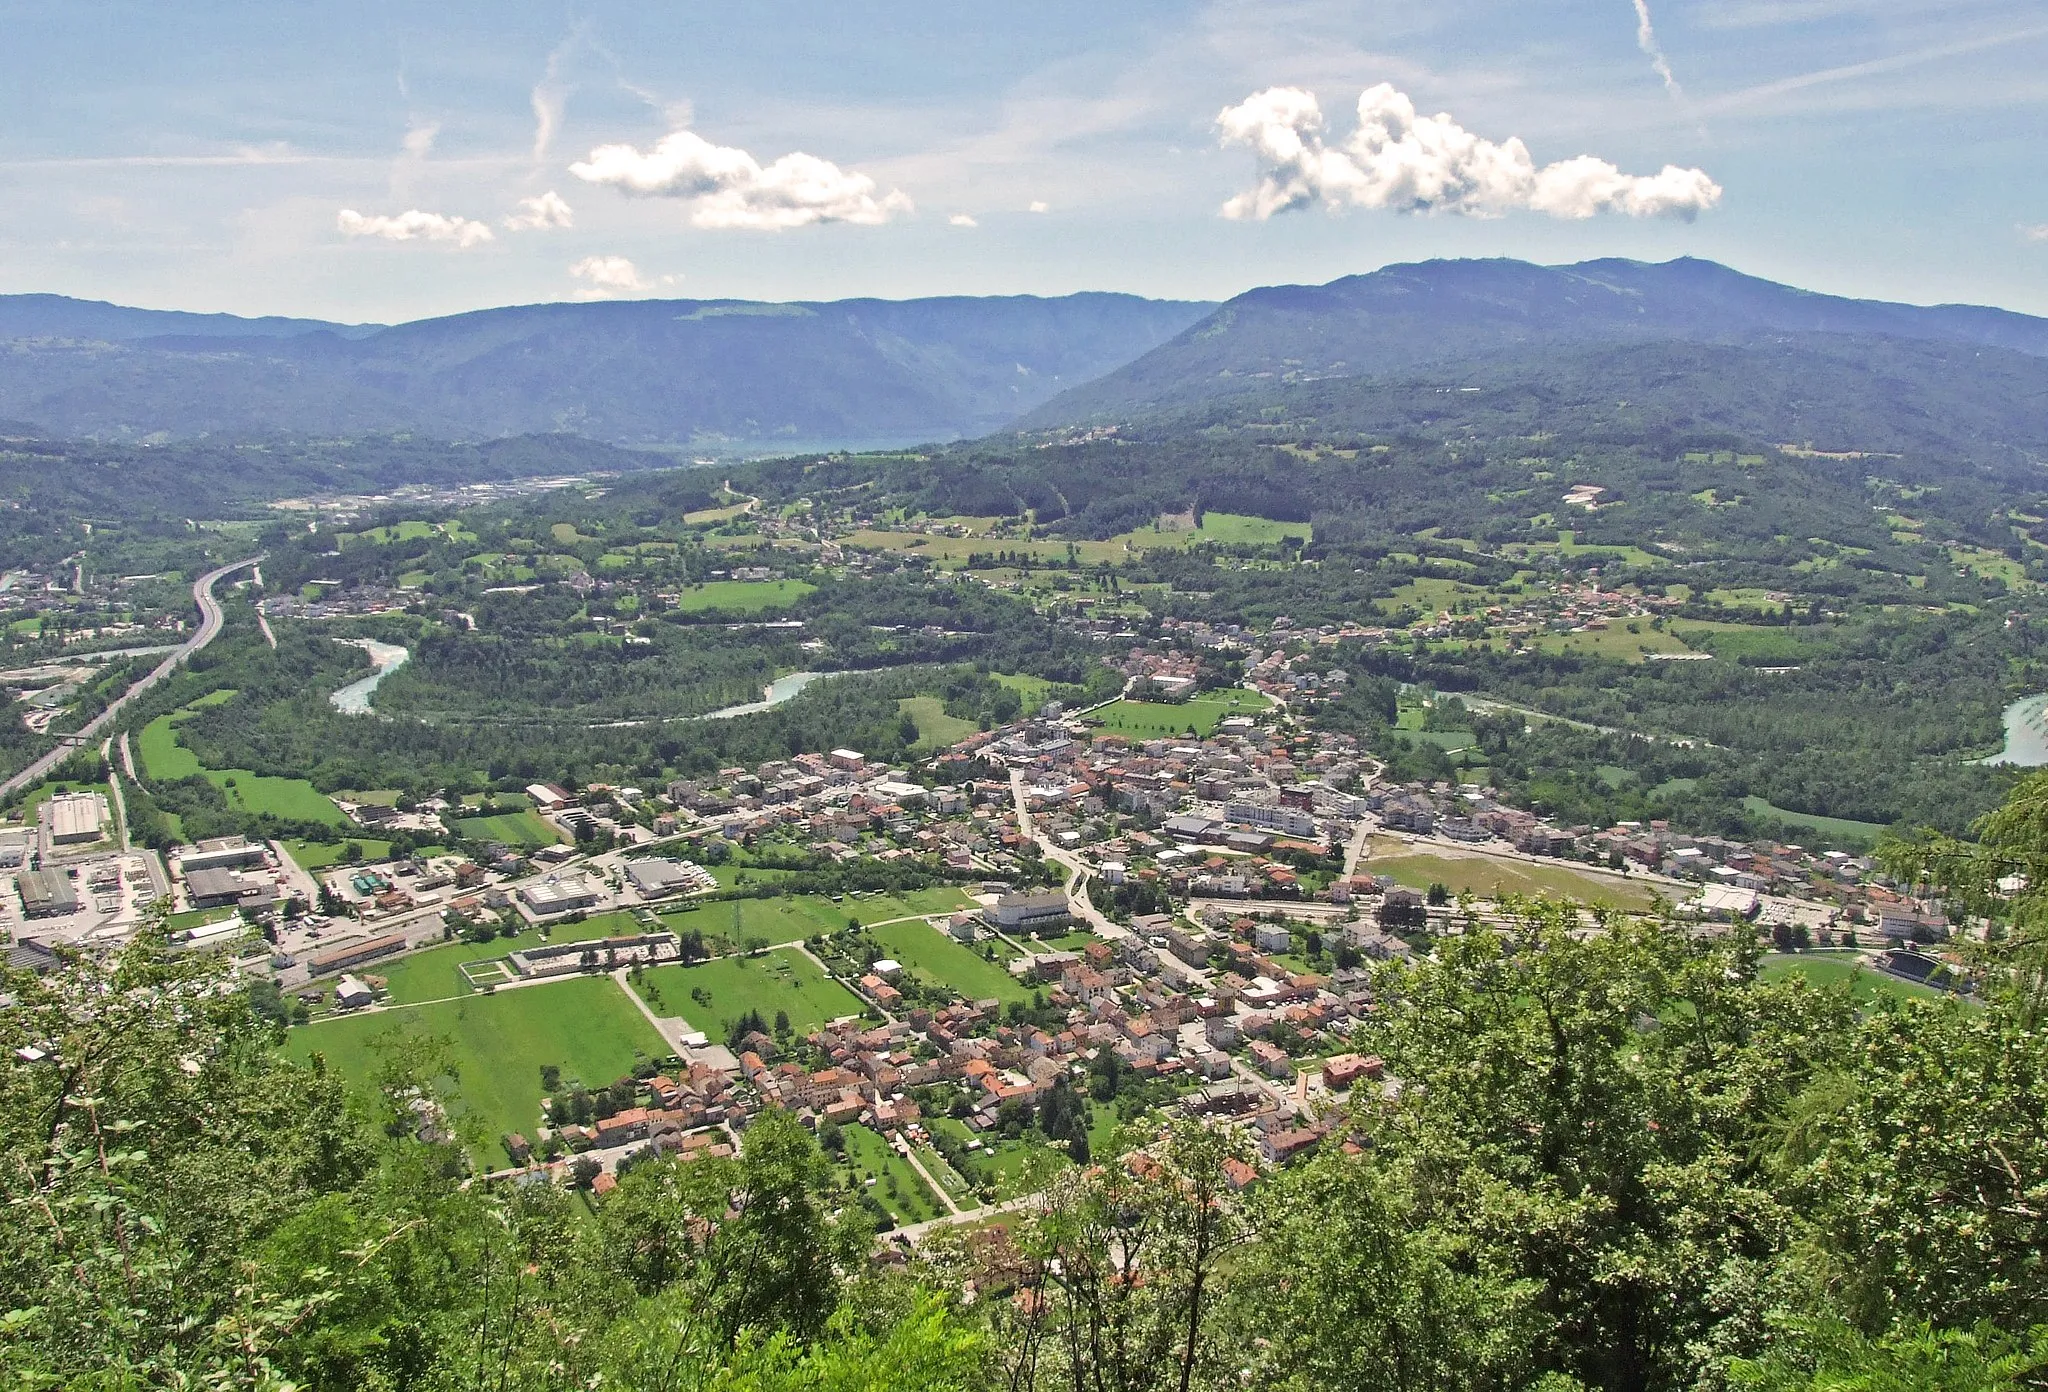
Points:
x=1646 y=40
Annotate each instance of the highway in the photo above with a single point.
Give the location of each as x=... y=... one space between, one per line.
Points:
x=210 y=620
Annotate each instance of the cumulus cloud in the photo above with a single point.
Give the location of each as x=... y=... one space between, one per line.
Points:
x=963 y=220
x=418 y=141
x=413 y=226
x=539 y=214
x=608 y=275
x=2036 y=233
x=1430 y=164
x=1039 y=207
x=728 y=187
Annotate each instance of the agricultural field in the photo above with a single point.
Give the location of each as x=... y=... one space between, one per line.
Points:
x=935 y=728
x=1631 y=640
x=522 y=828
x=496 y=1046
x=932 y=954
x=783 y=980
x=742 y=596
x=1491 y=876
x=1158 y=720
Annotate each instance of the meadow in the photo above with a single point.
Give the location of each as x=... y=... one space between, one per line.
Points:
x=164 y=757
x=931 y=953
x=783 y=980
x=496 y=1046
x=1159 y=720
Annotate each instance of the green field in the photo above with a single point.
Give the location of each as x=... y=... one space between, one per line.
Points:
x=1490 y=876
x=897 y=1187
x=935 y=728
x=1223 y=527
x=782 y=980
x=1835 y=969
x=163 y=757
x=934 y=955
x=522 y=828
x=318 y=855
x=197 y=918
x=497 y=1045
x=1837 y=828
x=1156 y=720
x=798 y=916
x=1030 y=690
x=435 y=973
x=743 y=596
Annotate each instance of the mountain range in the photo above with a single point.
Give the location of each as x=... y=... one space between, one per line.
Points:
x=728 y=377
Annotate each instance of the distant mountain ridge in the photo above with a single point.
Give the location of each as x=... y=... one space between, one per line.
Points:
x=1405 y=317
x=717 y=375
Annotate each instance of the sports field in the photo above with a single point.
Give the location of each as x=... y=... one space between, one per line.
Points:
x=1491 y=876
x=1157 y=720
x=1845 y=968
x=932 y=954
x=742 y=596
x=521 y=828
x=497 y=1045
x=782 y=980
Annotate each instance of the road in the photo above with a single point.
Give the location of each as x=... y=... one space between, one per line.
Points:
x=1077 y=870
x=210 y=620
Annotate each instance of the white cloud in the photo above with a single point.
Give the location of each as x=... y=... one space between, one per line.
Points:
x=607 y=276
x=730 y=188
x=2036 y=233
x=1430 y=164
x=538 y=214
x=414 y=225
x=963 y=220
x=419 y=140
x=1646 y=40
x=1040 y=207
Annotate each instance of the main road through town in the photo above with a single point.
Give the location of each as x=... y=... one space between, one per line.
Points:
x=210 y=620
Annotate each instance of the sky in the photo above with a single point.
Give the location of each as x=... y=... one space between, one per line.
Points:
x=378 y=162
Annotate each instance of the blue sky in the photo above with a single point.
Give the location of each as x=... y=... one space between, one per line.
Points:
x=386 y=162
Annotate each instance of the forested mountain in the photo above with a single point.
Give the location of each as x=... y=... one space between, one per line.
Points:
x=1437 y=313
x=710 y=375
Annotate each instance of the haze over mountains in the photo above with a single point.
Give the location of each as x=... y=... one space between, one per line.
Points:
x=1687 y=341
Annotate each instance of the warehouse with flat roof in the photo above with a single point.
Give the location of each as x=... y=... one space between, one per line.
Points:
x=74 y=818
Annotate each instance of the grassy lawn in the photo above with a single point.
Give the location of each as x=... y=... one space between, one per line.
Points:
x=1155 y=720
x=521 y=828
x=1226 y=527
x=315 y=855
x=935 y=728
x=1030 y=690
x=436 y=973
x=163 y=757
x=781 y=980
x=1834 y=969
x=895 y=1185
x=496 y=1047
x=936 y=956
x=197 y=918
x=1837 y=828
x=802 y=915
x=1490 y=876
x=1000 y=1164
x=743 y=596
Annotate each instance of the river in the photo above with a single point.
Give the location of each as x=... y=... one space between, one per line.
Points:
x=775 y=693
x=2026 y=734
x=354 y=699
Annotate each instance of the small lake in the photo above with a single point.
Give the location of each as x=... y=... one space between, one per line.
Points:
x=354 y=699
x=2026 y=734
x=774 y=694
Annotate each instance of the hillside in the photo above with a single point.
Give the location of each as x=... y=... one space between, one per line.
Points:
x=1403 y=318
x=716 y=376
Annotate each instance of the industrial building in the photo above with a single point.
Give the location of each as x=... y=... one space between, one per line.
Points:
x=208 y=889
x=350 y=954
x=74 y=818
x=551 y=897
x=1030 y=913
x=46 y=893
x=226 y=853
x=655 y=879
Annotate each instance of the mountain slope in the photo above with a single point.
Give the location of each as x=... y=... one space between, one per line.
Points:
x=60 y=316
x=702 y=374
x=1441 y=312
